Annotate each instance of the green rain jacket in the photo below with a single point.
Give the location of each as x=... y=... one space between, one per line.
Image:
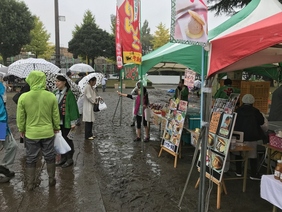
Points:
x=37 y=110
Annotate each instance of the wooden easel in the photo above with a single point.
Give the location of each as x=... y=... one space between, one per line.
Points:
x=175 y=154
x=220 y=186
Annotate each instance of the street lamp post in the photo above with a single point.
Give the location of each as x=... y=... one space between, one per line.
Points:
x=57 y=35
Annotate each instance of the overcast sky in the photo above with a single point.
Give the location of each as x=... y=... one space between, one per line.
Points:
x=154 y=11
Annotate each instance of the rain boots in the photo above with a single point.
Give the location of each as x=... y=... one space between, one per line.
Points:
x=30 y=176
x=51 y=169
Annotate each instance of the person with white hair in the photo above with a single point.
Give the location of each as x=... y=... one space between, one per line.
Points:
x=249 y=120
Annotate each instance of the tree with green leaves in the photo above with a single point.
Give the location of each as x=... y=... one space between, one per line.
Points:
x=39 y=39
x=113 y=24
x=161 y=36
x=49 y=52
x=16 y=22
x=146 y=38
x=228 y=7
x=89 y=41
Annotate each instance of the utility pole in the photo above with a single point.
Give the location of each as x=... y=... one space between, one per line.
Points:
x=57 y=35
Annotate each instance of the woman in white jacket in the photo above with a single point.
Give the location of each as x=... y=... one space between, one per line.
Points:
x=88 y=113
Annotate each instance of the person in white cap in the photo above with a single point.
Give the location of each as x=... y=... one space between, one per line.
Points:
x=249 y=119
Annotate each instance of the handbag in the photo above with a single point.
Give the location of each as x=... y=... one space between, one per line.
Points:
x=102 y=105
x=96 y=107
x=16 y=97
x=60 y=144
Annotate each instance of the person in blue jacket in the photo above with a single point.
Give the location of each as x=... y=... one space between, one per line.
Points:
x=9 y=144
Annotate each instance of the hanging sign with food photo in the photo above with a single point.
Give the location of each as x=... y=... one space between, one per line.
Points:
x=189 y=22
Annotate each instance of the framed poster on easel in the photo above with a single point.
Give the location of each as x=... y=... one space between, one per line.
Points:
x=221 y=127
x=170 y=141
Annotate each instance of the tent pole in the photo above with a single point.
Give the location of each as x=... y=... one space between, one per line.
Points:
x=120 y=77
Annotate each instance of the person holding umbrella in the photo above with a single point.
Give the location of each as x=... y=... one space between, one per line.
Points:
x=68 y=116
x=88 y=113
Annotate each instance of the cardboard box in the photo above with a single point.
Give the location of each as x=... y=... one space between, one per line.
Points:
x=118 y=86
x=275 y=141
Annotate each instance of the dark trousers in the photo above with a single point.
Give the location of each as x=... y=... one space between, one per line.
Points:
x=253 y=165
x=88 y=129
x=65 y=132
x=33 y=148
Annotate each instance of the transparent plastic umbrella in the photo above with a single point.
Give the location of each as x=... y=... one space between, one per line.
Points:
x=81 y=67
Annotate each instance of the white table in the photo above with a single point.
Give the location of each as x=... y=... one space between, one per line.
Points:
x=271 y=190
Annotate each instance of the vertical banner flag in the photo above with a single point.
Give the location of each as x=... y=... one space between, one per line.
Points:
x=118 y=42
x=189 y=23
x=128 y=31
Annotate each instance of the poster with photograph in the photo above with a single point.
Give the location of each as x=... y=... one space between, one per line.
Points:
x=219 y=105
x=218 y=143
x=183 y=105
x=225 y=125
x=189 y=22
x=214 y=123
x=231 y=104
x=173 y=130
x=172 y=104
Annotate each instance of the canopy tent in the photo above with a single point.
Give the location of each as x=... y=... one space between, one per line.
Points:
x=250 y=38
x=186 y=55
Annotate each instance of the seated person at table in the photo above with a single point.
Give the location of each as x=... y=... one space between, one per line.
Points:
x=181 y=91
x=249 y=120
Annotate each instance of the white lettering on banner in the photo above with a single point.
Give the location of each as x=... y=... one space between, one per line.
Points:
x=169 y=145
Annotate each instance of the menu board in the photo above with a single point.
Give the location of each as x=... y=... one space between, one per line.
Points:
x=173 y=130
x=219 y=138
x=226 y=105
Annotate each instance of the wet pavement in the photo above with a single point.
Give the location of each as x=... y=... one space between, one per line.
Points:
x=113 y=173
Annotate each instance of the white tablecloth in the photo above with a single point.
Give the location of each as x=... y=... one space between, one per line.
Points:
x=271 y=190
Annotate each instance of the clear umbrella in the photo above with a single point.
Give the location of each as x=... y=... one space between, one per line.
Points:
x=81 y=67
x=23 y=67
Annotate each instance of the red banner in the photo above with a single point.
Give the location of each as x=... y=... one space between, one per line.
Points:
x=118 y=42
x=128 y=31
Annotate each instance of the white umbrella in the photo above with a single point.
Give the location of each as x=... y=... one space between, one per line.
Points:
x=2 y=74
x=81 y=67
x=51 y=83
x=84 y=81
x=4 y=69
x=23 y=67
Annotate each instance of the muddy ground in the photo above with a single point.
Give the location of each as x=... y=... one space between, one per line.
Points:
x=112 y=173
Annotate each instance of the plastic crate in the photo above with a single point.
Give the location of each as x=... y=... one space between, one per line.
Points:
x=186 y=137
x=194 y=121
x=275 y=141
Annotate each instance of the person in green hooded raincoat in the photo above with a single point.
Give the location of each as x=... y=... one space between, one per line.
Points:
x=38 y=120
